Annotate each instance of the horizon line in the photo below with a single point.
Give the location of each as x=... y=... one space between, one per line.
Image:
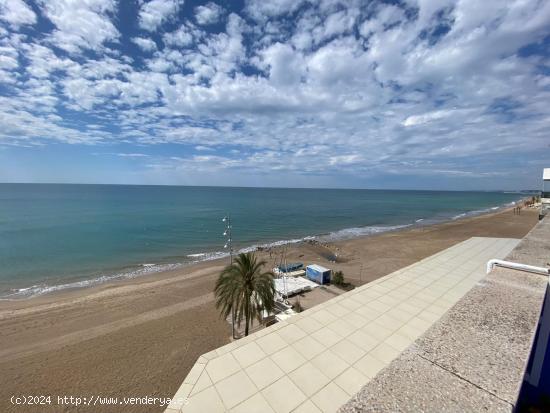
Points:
x=272 y=187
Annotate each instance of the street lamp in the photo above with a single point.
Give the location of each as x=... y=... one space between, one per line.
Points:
x=229 y=244
x=227 y=233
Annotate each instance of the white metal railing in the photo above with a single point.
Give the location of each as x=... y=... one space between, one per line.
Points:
x=516 y=266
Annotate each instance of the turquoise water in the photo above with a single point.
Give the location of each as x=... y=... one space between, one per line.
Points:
x=61 y=236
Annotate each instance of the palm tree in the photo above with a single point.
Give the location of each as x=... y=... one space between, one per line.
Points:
x=244 y=290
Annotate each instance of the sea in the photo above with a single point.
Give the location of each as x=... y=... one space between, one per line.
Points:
x=63 y=236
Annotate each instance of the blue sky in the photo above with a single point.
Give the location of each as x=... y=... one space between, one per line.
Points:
x=430 y=94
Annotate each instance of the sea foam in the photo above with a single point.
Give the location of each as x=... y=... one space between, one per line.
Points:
x=151 y=268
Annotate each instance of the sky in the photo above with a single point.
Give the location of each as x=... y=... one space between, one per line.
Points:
x=411 y=94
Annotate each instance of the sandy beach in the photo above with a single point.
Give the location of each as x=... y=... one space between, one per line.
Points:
x=140 y=337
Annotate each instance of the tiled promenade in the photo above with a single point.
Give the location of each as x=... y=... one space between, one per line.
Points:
x=476 y=357
x=317 y=360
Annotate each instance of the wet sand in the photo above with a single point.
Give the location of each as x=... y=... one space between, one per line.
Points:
x=140 y=337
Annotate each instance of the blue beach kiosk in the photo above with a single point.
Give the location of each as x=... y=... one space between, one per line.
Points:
x=320 y=275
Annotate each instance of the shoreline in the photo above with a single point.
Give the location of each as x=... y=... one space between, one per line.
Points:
x=185 y=271
x=133 y=273
x=142 y=336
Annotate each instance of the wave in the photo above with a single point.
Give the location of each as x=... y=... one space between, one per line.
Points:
x=256 y=247
x=207 y=256
x=151 y=268
x=349 y=233
x=483 y=211
x=41 y=289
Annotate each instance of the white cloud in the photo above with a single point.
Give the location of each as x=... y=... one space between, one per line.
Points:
x=16 y=13
x=340 y=22
x=181 y=37
x=147 y=45
x=263 y=10
x=210 y=13
x=203 y=148
x=81 y=25
x=155 y=12
x=386 y=16
x=365 y=89
x=285 y=66
x=132 y=155
x=416 y=120
x=8 y=62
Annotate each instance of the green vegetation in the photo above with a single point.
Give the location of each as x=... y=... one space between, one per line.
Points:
x=338 y=278
x=244 y=290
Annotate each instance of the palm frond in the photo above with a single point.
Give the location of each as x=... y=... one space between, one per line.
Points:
x=244 y=288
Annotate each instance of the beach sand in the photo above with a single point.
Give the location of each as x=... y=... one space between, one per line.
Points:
x=140 y=337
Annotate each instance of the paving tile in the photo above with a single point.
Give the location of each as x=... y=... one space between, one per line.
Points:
x=307 y=407
x=411 y=332
x=222 y=367
x=389 y=300
x=330 y=364
x=288 y=359
x=324 y=317
x=256 y=403
x=330 y=398
x=309 y=379
x=327 y=336
x=351 y=304
x=202 y=383
x=348 y=351
x=377 y=331
x=391 y=283
x=427 y=296
x=283 y=396
x=308 y=347
x=400 y=315
x=429 y=316
x=369 y=365
x=379 y=288
x=378 y=306
x=401 y=295
x=421 y=304
x=271 y=343
x=364 y=297
x=194 y=374
x=389 y=322
x=357 y=320
x=351 y=381
x=291 y=333
x=248 y=354
x=368 y=313
x=384 y=352
x=210 y=355
x=363 y=340
x=419 y=323
x=342 y=327
x=368 y=295
x=264 y=372
x=338 y=310
x=235 y=389
x=309 y=325
x=207 y=400
x=398 y=341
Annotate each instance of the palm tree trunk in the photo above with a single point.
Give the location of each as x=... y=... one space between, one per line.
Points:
x=233 y=315
x=247 y=316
